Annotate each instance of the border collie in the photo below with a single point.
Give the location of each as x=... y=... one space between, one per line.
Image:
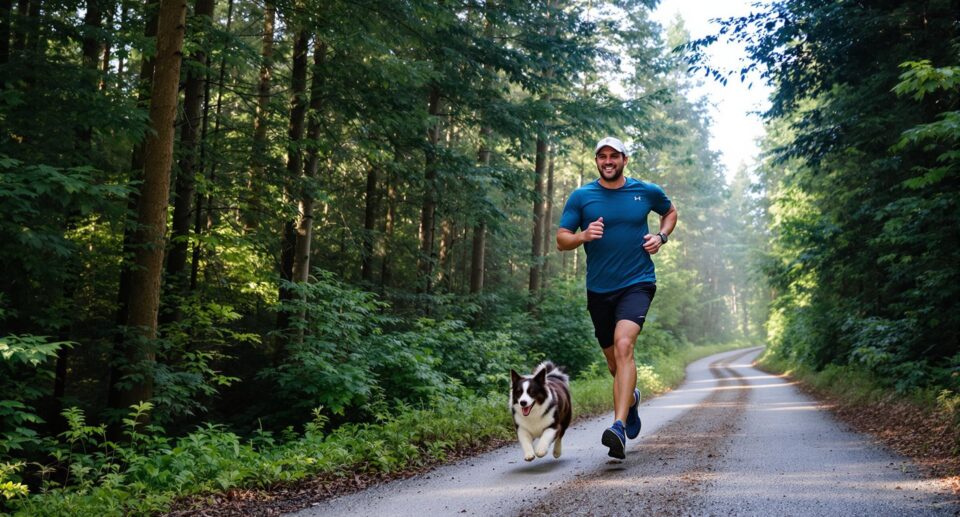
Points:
x=541 y=408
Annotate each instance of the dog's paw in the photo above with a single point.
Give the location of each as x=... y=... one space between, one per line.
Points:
x=541 y=452
x=556 y=453
x=529 y=458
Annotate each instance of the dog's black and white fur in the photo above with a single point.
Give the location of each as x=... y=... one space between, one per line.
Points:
x=541 y=408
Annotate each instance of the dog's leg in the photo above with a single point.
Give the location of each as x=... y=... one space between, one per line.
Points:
x=545 y=439
x=526 y=442
x=556 y=448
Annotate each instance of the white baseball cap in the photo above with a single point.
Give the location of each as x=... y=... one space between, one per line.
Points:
x=611 y=142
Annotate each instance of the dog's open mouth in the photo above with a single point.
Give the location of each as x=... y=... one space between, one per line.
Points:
x=526 y=410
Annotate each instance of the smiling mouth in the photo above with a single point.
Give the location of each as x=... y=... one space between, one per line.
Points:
x=526 y=410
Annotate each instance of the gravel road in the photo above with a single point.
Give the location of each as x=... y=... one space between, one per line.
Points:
x=731 y=440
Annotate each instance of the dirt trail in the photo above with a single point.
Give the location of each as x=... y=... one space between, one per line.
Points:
x=670 y=468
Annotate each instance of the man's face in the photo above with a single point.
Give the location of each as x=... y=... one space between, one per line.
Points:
x=610 y=163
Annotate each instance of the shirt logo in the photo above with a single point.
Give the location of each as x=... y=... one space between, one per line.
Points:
x=638 y=198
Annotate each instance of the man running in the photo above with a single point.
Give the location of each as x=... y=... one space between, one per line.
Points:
x=611 y=213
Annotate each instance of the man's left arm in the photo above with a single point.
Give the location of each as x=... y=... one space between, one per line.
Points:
x=668 y=221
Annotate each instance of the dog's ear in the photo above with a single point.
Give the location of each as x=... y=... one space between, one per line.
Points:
x=514 y=376
x=541 y=376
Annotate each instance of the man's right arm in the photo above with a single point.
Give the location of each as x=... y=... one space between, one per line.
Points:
x=567 y=240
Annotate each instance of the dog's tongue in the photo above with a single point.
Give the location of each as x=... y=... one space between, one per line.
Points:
x=526 y=410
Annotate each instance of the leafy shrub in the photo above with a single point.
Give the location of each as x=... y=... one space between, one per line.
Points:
x=25 y=366
x=327 y=361
x=185 y=377
x=561 y=328
x=479 y=360
x=340 y=356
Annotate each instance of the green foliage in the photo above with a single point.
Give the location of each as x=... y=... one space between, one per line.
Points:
x=329 y=360
x=41 y=204
x=860 y=186
x=9 y=488
x=561 y=329
x=187 y=378
x=920 y=80
x=25 y=366
x=479 y=360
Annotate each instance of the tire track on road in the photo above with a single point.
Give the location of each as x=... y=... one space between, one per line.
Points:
x=667 y=471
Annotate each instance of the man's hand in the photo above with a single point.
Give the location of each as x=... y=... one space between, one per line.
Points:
x=652 y=243
x=593 y=232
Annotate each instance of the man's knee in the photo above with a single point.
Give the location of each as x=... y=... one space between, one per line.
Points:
x=623 y=349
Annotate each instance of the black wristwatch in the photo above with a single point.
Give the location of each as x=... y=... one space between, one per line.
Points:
x=663 y=238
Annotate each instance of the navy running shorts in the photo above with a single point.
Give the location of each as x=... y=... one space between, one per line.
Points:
x=629 y=303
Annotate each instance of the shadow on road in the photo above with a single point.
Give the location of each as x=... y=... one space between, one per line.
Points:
x=539 y=466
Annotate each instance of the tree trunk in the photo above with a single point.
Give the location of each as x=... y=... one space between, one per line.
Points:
x=564 y=257
x=123 y=25
x=576 y=252
x=478 y=257
x=186 y=179
x=91 y=26
x=206 y=219
x=447 y=242
x=148 y=240
x=304 y=237
x=298 y=110
x=90 y=57
x=369 y=223
x=301 y=261
x=145 y=84
x=34 y=26
x=547 y=220
x=536 y=266
x=250 y=211
x=480 y=229
x=105 y=49
x=429 y=208
x=6 y=16
x=386 y=273
x=198 y=197
x=20 y=35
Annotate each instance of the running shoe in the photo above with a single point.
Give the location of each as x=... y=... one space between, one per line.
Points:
x=614 y=439
x=633 y=416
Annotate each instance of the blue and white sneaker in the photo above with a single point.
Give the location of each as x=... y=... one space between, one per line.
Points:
x=614 y=439
x=633 y=416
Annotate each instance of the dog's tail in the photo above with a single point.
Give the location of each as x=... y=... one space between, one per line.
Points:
x=553 y=372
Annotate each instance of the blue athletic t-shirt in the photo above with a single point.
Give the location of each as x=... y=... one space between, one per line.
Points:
x=616 y=260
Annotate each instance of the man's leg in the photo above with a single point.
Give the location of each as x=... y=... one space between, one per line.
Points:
x=622 y=366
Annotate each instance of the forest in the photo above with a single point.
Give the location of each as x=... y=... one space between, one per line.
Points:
x=254 y=232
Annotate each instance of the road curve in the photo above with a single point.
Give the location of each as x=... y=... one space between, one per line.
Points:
x=731 y=440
